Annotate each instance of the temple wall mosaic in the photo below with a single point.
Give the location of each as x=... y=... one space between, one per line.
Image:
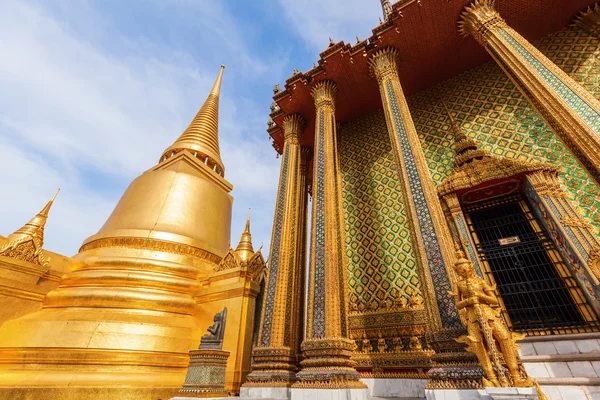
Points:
x=492 y=110
x=381 y=267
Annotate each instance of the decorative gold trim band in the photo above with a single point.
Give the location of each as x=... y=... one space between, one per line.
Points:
x=153 y=245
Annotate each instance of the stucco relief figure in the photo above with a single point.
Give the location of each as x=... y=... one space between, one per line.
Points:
x=486 y=330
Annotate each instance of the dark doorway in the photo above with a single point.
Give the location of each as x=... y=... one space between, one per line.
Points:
x=535 y=286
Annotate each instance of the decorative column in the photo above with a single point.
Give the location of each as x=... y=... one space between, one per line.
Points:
x=576 y=239
x=571 y=111
x=326 y=347
x=275 y=355
x=461 y=234
x=430 y=238
x=300 y=277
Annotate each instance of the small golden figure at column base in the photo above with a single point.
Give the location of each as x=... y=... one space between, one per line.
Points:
x=397 y=344
x=366 y=344
x=415 y=344
x=486 y=330
x=381 y=345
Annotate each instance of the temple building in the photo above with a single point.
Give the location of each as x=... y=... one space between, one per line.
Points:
x=453 y=163
x=117 y=320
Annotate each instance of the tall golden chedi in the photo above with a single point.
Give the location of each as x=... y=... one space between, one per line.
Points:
x=120 y=324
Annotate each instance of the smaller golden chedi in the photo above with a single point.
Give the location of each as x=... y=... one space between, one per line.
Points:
x=26 y=243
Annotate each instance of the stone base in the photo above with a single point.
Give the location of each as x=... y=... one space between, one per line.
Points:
x=483 y=394
x=203 y=398
x=455 y=394
x=512 y=393
x=86 y=393
x=328 y=394
x=276 y=393
x=205 y=375
x=380 y=387
x=571 y=392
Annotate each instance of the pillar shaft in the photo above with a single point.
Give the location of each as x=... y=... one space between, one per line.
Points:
x=326 y=348
x=275 y=355
x=300 y=277
x=571 y=111
x=458 y=224
x=429 y=233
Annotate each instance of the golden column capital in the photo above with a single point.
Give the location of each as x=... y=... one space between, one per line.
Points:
x=479 y=19
x=324 y=93
x=589 y=20
x=384 y=64
x=293 y=126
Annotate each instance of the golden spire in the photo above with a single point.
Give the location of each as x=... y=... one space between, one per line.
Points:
x=466 y=148
x=244 y=249
x=26 y=243
x=201 y=138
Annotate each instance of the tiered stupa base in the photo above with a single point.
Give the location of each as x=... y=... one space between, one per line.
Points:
x=95 y=354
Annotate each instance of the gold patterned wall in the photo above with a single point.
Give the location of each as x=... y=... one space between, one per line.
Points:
x=381 y=267
x=492 y=110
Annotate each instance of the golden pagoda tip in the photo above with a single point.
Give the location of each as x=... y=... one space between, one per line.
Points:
x=55 y=194
x=216 y=90
x=244 y=248
x=247 y=229
x=448 y=112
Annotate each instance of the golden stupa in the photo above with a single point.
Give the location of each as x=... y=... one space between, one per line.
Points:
x=121 y=322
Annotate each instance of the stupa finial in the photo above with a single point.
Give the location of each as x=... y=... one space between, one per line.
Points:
x=244 y=248
x=202 y=136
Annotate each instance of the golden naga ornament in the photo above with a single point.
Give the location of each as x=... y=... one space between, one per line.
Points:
x=488 y=336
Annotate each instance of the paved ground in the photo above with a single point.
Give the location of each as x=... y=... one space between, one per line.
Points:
x=396 y=398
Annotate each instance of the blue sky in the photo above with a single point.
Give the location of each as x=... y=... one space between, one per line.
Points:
x=91 y=93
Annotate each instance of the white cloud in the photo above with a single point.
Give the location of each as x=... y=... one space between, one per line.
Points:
x=317 y=20
x=89 y=117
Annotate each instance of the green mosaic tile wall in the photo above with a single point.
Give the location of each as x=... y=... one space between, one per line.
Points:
x=380 y=261
x=491 y=110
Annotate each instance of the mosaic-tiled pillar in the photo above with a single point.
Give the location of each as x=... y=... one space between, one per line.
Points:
x=430 y=237
x=326 y=347
x=575 y=238
x=300 y=277
x=275 y=356
x=460 y=231
x=571 y=111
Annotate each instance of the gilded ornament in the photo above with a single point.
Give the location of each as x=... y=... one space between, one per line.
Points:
x=381 y=345
x=26 y=243
x=589 y=20
x=477 y=301
x=366 y=344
